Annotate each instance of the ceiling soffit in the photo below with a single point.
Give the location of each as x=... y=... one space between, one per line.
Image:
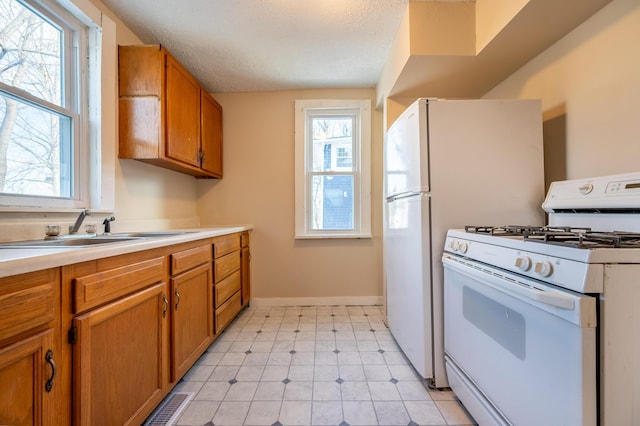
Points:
x=464 y=49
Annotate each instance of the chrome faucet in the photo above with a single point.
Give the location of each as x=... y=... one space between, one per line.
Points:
x=76 y=226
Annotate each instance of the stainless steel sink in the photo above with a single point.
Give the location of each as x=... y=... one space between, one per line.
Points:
x=89 y=240
x=67 y=242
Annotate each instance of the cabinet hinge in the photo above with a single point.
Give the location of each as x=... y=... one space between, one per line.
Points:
x=73 y=335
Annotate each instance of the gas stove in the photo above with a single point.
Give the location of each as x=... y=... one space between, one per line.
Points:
x=582 y=268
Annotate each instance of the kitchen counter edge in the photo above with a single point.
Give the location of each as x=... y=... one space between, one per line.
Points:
x=15 y=261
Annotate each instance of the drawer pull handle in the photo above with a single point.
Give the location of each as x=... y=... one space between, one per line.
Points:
x=166 y=305
x=177 y=293
x=49 y=358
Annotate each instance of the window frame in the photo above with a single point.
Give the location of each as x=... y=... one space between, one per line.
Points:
x=361 y=163
x=81 y=87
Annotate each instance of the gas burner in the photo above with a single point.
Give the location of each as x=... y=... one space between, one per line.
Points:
x=520 y=231
x=587 y=239
x=502 y=231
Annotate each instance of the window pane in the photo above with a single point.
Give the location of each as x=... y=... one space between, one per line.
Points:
x=332 y=202
x=332 y=144
x=30 y=52
x=35 y=150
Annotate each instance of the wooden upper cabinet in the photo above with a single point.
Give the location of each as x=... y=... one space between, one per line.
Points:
x=166 y=118
x=183 y=114
x=211 y=134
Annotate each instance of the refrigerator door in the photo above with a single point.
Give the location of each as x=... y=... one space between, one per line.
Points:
x=406 y=154
x=408 y=272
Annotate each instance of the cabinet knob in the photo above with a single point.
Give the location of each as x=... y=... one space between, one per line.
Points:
x=177 y=293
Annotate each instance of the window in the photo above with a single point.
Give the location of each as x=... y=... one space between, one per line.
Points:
x=333 y=195
x=45 y=141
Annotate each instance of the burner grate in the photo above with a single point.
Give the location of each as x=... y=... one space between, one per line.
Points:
x=588 y=239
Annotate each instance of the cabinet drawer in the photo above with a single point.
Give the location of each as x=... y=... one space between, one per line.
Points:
x=96 y=289
x=227 y=312
x=187 y=259
x=225 y=265
x=225 y=245
x=225 y=288
x=27 y=301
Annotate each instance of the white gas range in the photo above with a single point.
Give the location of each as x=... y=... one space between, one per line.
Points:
x=542 y=324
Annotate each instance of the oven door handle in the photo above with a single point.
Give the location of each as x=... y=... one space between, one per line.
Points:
x=508 y=286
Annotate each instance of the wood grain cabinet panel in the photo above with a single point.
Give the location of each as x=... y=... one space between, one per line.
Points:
x=192 y=322
x=28 y=383
x=31 y=392
x=166 y=117
x=211 y=134
x=118 y=359
x=96 y=289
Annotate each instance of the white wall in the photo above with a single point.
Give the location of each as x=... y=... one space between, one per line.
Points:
x=594 y=74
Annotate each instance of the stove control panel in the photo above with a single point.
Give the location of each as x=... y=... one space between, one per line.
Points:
x=517 y=256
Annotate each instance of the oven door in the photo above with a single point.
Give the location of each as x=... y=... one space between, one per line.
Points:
x=518 y=351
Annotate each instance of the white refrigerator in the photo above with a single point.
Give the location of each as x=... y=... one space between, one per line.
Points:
x=447 y=164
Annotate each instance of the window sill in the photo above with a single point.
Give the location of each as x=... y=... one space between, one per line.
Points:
x=329 y=235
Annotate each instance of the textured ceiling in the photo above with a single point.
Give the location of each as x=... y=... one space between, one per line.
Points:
x=260 y=45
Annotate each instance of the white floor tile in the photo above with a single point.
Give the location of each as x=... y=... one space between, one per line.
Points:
x=269 y=391
x=295 y=413
x=212 y=391
x=241 y=391
x=424 y=413
x=359 y=413
x=198 y=413
x=311 y=366
x=231 y=413
x=355 y=391
x=327 y=413
x=391 y=413
x=326 y=391
x=298 y=391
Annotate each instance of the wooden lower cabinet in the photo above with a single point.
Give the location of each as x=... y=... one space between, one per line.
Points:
x=118 y=359
x=102 y=342
x=27 y=381
x=245 y=269
x=31 y=392
x=192 y=322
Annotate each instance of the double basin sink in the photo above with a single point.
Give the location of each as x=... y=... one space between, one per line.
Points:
x=90 y=240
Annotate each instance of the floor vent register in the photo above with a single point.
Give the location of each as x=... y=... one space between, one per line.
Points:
x=169 y=410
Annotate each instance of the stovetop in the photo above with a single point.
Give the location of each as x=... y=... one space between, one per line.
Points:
x=577 y=237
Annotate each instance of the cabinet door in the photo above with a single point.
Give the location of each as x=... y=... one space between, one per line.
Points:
x=211 y=137
x=26 y=370
x=245 y=276
x=192 y=322
x=183 y=114
x=118 y=359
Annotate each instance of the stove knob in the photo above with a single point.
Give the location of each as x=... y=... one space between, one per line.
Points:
x=523 y=263
x=463 y=247
x=544 y=269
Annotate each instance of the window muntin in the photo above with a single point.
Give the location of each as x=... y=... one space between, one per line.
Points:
x=43 y=116
x=332 y=169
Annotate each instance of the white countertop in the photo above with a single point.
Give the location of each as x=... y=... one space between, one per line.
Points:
x=14 y=261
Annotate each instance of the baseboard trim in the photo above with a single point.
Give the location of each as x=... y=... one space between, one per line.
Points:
x=316 y=301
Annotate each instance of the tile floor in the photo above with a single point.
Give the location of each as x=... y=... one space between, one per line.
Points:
x=316 y=365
